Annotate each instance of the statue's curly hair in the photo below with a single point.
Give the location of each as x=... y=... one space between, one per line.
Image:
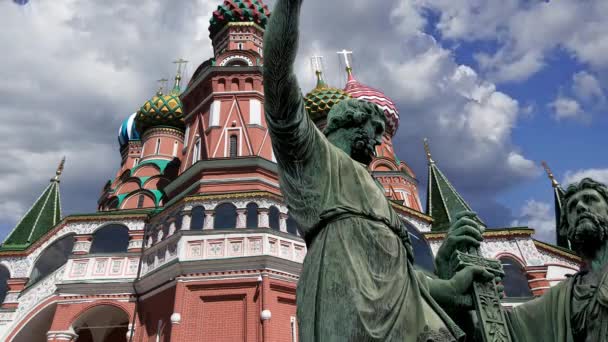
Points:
x=585 y=183
x=351 y=113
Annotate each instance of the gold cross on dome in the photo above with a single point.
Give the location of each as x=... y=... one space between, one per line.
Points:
x=347 y=57
x=179 y=63
x=317 y=63
x=162 y=84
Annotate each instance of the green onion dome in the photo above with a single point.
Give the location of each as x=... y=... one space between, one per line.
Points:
x=238 y=11
x=161 y=111
x=320 y=100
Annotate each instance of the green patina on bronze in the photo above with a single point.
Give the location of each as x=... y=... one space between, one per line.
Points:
x=576 y=310
x=357 y=282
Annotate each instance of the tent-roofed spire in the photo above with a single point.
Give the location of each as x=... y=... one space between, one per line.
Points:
x=558 y=198
x=43 y=215
x=443 y=202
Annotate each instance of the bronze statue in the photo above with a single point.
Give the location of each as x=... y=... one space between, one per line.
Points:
x=357 y=282
x=576 y=310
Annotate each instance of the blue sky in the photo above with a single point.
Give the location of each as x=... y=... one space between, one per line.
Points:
x=497 y=86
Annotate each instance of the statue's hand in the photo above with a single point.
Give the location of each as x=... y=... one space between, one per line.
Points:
x=464 y=234
x=460 y=285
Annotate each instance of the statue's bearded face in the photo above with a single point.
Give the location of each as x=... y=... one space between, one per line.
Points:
x=587 y=214
x=364 y=140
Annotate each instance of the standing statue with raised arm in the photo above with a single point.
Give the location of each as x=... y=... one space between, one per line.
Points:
x=357 y=282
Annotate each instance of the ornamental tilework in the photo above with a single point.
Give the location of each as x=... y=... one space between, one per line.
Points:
x=116 y=268
x=215 y=249
x=272 y=244
x=235 y=248
x=286 y=250
x=132 y=268
x=255 y=246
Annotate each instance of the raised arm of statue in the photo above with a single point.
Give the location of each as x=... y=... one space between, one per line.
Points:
x=283 y=99
x=295 y=138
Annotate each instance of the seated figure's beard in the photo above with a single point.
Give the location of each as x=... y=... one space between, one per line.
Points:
x=362 y=147
x=588 y=234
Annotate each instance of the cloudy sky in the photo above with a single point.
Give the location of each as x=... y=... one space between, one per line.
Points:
x=497 y=86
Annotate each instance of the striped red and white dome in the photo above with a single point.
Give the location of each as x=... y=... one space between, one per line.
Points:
x=362 y=92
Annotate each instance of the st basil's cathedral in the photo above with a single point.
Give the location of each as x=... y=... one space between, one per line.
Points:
x=191 y=240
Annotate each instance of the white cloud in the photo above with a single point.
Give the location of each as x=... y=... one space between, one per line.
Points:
x=539 y=216
x=566 y=108
x=587 y=87
x=527 y=32
x=73 y=72
x=76 y=69
x=600 y=175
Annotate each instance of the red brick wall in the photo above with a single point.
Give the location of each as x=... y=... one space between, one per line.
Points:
x=155 y=308
x=225 y=310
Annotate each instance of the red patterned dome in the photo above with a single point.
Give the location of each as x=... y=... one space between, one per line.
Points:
x=362 y=92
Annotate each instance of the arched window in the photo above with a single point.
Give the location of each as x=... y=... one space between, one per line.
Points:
x=225 y=216
x=187 y=136
x=233 y=146
x=234 y=84
x=114 y=328
x=140 y=201
x=196 y=151
x=4 y=277
x=198 y=218
x=110 y=239
x=292 y=225
x=178 y=222
x=515 y=280
x=52 y=258
x=157 y=150
x=274 y=218
x=252 y=215
x=423 y=256
x=175 y=144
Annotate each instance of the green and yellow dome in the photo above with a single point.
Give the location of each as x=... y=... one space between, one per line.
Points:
x=161 y=111
x=320 y=100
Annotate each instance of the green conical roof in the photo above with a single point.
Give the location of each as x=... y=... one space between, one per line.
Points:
x=39 y=219
x=443 y=202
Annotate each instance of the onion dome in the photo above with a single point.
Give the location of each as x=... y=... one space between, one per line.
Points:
x=162 y=110
x=362 y=92
x=320 y=100
x=127 y=131
x=239 y=11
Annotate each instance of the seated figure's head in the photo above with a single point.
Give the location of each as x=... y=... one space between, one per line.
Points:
x=584 y=218
x=356 y=127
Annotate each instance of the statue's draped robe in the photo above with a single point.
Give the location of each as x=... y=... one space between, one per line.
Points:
x=568 y=312
x=357 y=283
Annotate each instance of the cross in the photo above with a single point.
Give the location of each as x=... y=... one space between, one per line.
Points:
x=59 y=169
x=162 y=84
x=550 y=174
x=317 y=63
x=346 y=55
x=427 y=149
x=179 y=63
